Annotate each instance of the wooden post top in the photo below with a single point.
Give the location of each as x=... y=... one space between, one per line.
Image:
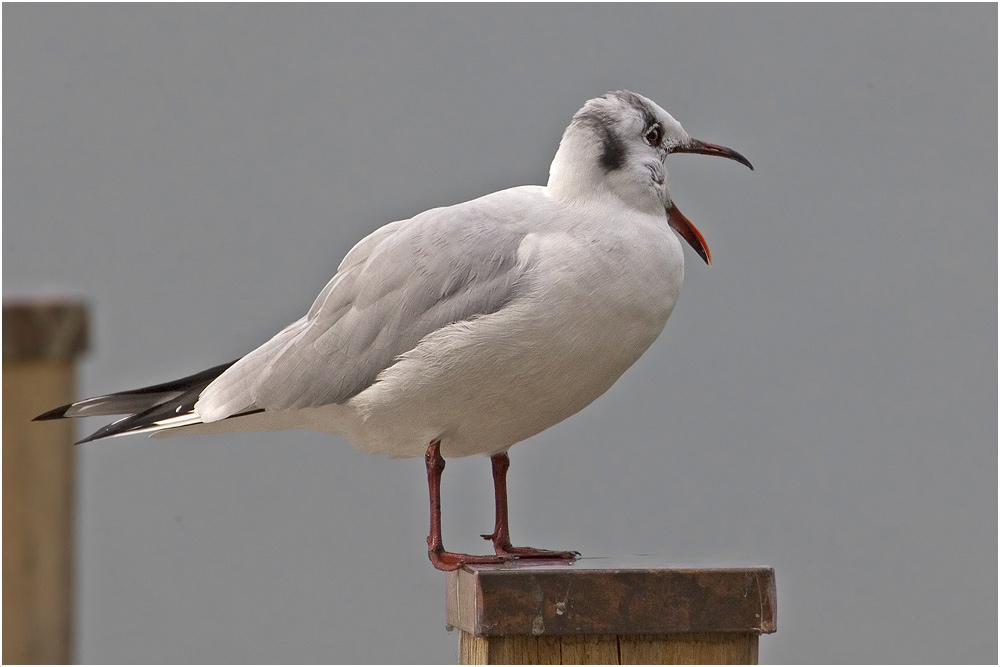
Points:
x=43 y=329
x=610 y=596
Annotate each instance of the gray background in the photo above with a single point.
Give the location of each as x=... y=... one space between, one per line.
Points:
x=823 y=400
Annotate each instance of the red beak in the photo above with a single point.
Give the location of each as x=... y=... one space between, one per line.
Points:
x=705 y=148
x=683 y=226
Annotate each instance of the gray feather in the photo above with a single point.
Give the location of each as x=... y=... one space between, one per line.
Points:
x=406 y=280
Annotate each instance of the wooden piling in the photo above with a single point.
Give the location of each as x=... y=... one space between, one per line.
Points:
x=603 y=611
x=41 y=342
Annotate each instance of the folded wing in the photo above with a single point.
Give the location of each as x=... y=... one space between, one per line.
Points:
x=403 y=282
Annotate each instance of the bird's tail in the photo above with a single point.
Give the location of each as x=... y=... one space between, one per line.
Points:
x=155 y=408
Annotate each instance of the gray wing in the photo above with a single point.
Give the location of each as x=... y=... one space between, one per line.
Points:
x=399 y=284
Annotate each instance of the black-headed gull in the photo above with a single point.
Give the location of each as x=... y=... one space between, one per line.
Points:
x=468 y=328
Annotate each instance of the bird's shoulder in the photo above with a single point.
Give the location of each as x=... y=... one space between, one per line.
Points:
x=478 y=232
x=512 y=207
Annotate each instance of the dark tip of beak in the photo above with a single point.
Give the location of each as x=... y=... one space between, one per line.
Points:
x=705 y=148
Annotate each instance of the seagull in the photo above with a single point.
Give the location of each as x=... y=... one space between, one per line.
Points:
x=468 y=328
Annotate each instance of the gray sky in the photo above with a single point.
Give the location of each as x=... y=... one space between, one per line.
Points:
x=823 y=399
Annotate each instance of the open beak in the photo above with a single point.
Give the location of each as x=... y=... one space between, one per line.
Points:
x=683 y=226
x=678 y=220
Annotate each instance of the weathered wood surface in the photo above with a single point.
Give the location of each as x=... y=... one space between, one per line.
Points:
x=603 y=611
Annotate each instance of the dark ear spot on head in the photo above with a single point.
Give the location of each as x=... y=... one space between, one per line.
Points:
x=613 y=150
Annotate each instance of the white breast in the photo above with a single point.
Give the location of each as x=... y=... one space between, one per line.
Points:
x=600 y=293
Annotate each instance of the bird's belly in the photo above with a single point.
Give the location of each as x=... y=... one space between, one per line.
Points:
x=484 y=384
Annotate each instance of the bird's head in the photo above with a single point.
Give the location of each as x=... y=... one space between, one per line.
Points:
x=618 y=144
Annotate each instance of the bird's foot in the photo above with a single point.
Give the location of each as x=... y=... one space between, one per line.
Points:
x=448 y=561
x=504 y=549
x=531 y=552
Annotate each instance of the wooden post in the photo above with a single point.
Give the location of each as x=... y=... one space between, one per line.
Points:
x=41 y=340
x=606 y=611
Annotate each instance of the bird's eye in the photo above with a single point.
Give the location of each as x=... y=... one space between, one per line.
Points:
x=654 y=135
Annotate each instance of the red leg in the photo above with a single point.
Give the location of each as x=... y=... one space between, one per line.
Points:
x=444 y=560
x=501 y=531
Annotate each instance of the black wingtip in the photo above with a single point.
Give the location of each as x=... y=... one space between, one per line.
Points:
x=60 y=413
x=90 y=438
x=114 y=428
x=57 y=413
x=117 y=427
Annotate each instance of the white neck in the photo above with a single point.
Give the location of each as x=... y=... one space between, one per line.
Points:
x=575 y=172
